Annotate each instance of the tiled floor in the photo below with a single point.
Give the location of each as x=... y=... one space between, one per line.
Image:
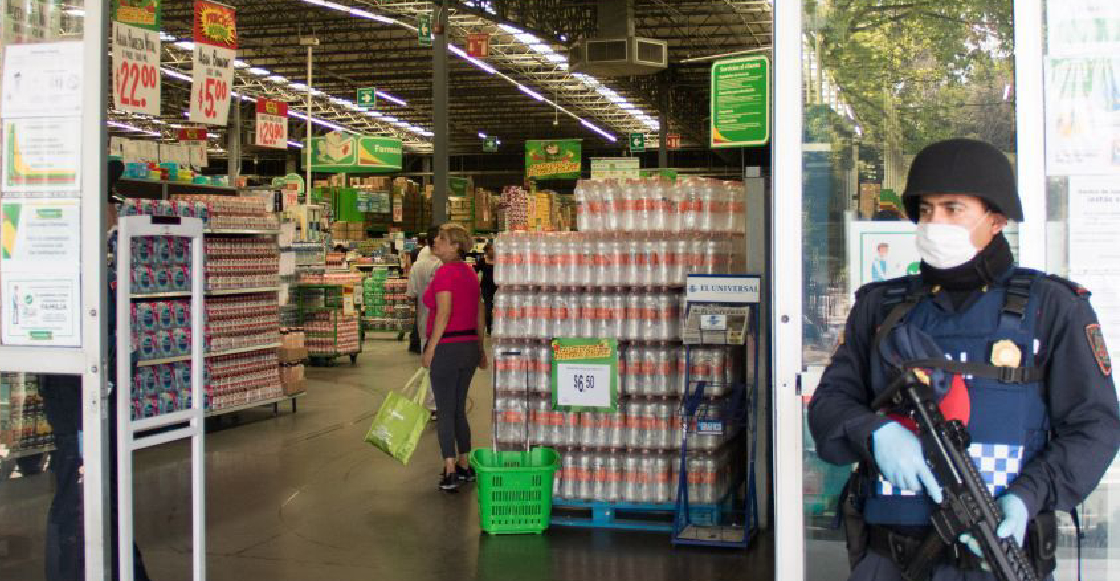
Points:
x=302 y=497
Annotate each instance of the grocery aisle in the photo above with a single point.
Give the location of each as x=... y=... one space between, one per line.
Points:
x=302 y=497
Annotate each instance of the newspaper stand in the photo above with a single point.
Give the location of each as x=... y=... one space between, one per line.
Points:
x=720 y=311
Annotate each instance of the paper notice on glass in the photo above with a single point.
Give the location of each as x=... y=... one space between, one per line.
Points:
x=1094 y=248
x=42 y=155
x=42 y=80
x=40 y=271
x=1082 y=116
x=1082 y=27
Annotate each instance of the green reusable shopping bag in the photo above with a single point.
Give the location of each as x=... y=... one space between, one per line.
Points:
x=398 y=424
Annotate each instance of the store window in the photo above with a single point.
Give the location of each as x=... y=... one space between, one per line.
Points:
x=1082 y=103
x=879 y=82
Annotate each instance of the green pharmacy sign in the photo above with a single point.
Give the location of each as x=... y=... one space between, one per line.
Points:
x=741 y=102
x=553 y=159
x=346 y=153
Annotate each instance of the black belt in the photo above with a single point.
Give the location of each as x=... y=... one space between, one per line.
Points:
x=901 y=548
x=464 y=333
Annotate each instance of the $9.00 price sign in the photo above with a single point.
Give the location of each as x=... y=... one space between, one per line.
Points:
x=136 y=77
x=213 y=79
x=585 y=375
x=272 y=124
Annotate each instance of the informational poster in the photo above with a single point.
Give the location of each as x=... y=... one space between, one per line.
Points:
x=1082 y=28
x=740 y=102
x=141 y=13
x=603 y=168
x=553 y=159
x=1094 y=248
x=40 y=271
x=344 y=152
x=42 y=154
x=585 y=375
x=879 y=251
x=1082 y=116
x=136 y=76
x=212 y=80
x=272 y=124
x=42 y=80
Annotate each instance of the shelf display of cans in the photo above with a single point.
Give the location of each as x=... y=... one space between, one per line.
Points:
x=655 y=205
x=239 y=321
x=233 y=212
x=385 y=305
x=242 y=378
x=331 y=333
x=236 y=263
x=166 y=208
x=600 y=259
x=23 y=419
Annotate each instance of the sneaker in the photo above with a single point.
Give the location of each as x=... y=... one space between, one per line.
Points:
x=449 y=483
x=465 y=474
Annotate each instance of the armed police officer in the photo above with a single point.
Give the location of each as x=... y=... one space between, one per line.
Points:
x=1016 y=355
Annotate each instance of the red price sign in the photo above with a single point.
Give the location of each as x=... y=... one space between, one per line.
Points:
x=272 y=124
x=673 y=140
x=478 y=45
x=136 y=77
x=210 y=91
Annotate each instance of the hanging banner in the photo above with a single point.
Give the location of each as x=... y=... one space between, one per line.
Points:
x=272 y=124
x=211 y=84
x=140 y=13
x=215 y=24
x=42 y=155
x=344 y=152
x=478 y=45
x=136 y=77
x=740 y=102
x=553 y=159
x=39 y=268
x=585 y=375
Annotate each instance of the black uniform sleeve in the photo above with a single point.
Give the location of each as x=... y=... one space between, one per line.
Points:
x=840 y=418
x=1081 y=397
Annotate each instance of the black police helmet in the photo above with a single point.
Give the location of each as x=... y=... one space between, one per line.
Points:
x=963 y=166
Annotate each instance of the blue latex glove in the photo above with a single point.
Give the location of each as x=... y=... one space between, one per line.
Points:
x=1014 y=523
x=898 y=453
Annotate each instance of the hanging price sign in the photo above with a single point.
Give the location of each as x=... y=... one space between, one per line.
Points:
x=210 y=89
x=272 y=124
x=585 y=375
x=478 y=45
x=136 y=78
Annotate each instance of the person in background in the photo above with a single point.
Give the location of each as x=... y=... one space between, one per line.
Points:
x=455 y=348
x=62 y=394
x=485 y=267
x=418 y=279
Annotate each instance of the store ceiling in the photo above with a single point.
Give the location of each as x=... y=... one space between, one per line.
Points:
x=522 y=91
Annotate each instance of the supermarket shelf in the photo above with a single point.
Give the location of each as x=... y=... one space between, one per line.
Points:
x=169 y=294
x=179 y=184
x=25 y=452
x=243 y=349
x=234 y=231
x=251 y=405
x=240 y=291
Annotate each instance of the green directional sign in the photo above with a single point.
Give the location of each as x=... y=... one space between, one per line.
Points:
x=490 y=145
x=424 y=30
x=637 y=142
x=368 y=97
x=741 y=102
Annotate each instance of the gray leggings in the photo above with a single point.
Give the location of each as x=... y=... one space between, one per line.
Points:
x=452 y=370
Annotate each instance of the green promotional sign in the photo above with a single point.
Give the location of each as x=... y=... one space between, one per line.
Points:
x=553 y=159
x=490 y=145
x=458 y=186
x=343 y=152
x=741 y=102
x=424 y=30
x=139 y=13
x=585 y=375
x=368 y=97
x=637 y=142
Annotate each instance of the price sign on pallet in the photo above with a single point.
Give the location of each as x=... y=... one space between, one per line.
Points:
x=136 y=78
x=585 y=375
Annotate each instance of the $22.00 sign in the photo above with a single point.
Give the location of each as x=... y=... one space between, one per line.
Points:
x=136 y=76
x=212 y=81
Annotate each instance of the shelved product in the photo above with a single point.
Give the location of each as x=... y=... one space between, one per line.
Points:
x=515 y=203
x=241 y=263
x=329 y=331
x=293 y=352
x=23 y=421
x=385 y=305
x=234 y=212
x=242 y=321
x=698 y=205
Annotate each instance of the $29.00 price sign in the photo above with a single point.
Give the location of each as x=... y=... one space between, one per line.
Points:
x=272 y=124
x=213 y=79
x=136 y=76
x=585 y=374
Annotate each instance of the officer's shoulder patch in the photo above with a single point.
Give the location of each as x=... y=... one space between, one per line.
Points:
x=1100 y=350
x=1073 y=287
x=899 y=285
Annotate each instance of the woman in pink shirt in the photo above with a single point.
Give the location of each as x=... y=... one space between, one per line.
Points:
x=455 y=348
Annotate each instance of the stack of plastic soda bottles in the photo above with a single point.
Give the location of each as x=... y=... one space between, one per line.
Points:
x=620 y=277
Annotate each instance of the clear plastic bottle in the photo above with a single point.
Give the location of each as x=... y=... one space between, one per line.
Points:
x=611 y=200
x=624 y=205
x=588 y=315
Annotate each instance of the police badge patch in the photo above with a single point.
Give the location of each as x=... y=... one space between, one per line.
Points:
x=1100 y=351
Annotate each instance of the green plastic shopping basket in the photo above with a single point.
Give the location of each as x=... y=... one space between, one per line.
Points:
x=515 y=489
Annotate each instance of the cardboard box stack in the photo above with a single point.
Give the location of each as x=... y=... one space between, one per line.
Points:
x=460 y=210
x=484 y=209
x=293 y=352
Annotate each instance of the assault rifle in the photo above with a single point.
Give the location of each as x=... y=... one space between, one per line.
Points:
x=967 y=506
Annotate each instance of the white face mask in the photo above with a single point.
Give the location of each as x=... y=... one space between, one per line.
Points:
x=946 y=245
